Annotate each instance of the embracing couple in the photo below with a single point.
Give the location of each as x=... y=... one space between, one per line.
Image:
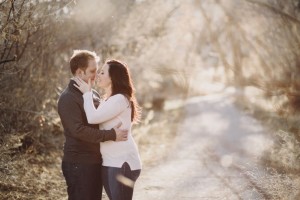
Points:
x=99 y=149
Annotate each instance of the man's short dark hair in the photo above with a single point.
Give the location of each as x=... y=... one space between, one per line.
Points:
x=80 y=59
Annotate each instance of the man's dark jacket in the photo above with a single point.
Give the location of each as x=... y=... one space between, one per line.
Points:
x=82 y=143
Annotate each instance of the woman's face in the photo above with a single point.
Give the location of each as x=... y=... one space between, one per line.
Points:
x=103 y=78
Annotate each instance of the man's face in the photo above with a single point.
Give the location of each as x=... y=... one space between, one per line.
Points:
x=90 y=71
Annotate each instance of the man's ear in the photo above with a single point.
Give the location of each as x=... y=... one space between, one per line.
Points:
x=79 y=72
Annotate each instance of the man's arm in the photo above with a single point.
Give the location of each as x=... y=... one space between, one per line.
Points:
x=72 y=120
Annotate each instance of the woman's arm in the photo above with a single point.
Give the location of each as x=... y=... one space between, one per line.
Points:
x=70 y=112
x=106 y=110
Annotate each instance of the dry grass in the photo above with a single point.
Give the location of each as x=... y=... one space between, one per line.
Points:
x=275 y=185
x=280 y=178
x=26 y=175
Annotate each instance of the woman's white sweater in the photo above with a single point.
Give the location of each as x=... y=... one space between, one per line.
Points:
x=109 y=113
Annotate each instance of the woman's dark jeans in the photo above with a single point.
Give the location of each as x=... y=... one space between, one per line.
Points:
x=115 y=189
x=84 y=181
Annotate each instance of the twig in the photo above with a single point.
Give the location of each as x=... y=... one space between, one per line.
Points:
x=8 y=60
x=20 y=110
x=275 y=10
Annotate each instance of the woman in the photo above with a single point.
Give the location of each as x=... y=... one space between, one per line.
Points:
x=121 y=160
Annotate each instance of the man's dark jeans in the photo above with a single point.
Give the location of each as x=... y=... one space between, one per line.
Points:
x=116 y=190
x=84 y=181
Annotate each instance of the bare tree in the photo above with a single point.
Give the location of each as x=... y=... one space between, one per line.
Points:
x=27 y=63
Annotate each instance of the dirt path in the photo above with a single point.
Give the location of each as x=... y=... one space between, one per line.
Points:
x=216 y=150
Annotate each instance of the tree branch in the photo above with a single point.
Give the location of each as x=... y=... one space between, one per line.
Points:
x=275 y=10
x=8 y=60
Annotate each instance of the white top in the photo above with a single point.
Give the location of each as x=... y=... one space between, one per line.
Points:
x=109 y=113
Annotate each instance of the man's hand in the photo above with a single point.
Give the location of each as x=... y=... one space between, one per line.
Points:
x=121 y=135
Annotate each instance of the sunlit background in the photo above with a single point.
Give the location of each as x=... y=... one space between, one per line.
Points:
x=226 y=54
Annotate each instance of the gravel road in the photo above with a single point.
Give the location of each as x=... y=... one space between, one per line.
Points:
x=216 y=150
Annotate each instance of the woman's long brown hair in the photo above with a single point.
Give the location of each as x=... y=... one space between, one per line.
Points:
x=122 y=84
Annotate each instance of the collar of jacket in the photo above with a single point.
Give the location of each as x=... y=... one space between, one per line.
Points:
x=72 y=87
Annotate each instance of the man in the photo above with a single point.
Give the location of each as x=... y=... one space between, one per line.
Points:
x=81 y=164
